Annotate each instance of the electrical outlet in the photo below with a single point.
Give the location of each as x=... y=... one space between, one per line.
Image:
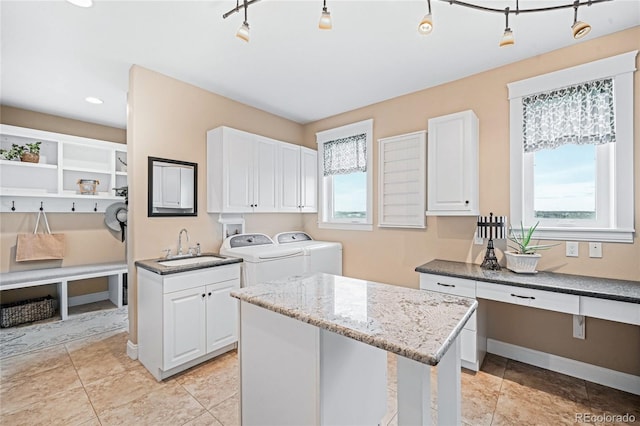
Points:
x=572 y=249
x=578 y=326
x=595 y=249
x=478 y=240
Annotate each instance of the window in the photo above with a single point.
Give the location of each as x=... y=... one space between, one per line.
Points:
x=344 y=165
x=572 y=151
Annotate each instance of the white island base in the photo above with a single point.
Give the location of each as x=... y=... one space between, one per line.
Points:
x=293 y=373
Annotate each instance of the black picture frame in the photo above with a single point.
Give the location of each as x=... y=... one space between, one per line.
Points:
x=153 y=209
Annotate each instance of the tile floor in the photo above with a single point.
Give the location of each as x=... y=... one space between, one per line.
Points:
x=93 y=382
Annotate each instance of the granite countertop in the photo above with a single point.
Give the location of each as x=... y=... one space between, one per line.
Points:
x=416 y=324
x=153 y=265
x=603 y=288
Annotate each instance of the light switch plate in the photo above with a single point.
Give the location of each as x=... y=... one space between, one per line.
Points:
x=595 y=249
x=572 y=249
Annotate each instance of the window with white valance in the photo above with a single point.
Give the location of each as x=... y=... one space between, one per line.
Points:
x=346 y=188
x=571 y=151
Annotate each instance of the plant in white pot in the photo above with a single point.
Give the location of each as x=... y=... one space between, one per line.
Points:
x=524 y=258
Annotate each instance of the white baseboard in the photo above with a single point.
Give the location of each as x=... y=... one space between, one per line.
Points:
x=593 y=373
x=88 y=298
x=132 y=349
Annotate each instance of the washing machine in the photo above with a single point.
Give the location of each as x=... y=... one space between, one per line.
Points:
x=264 y=260
x=319 y=256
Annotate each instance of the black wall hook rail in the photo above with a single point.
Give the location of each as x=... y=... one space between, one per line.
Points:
x=41 y=206
x=13 y=206
x=73 y=207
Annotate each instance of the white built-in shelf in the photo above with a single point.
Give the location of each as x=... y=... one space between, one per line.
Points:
x=65 y=159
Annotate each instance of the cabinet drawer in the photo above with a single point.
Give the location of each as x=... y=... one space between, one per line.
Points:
x=549 y=300
x=449 y=285
x=201 y=277
x=612 y=310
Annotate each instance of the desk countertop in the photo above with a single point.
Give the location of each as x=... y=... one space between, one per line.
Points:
x=416 y=324
x=603 y=288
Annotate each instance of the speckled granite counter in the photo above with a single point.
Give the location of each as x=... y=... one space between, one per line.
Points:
x=603 y=288
x=153 y=265
x=415 y=324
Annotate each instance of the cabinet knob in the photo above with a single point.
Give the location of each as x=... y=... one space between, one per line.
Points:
x=209 y=293
x=203 y=295
x=466 y=202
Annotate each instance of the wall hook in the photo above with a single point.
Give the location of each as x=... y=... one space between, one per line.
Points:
x=41 y=207
x=73 y=207
x=95 y=209
x=13 y=206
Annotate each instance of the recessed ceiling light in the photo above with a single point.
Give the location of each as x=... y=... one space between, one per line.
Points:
x=81 y=3
x=93 y=100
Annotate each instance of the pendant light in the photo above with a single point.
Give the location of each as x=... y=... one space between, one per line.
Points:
x=243 y=31
x=325 y=18
x=507 y=38
x=579 y=29
x=426 y=24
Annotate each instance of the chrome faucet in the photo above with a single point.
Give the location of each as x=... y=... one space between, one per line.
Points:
x=180 y=240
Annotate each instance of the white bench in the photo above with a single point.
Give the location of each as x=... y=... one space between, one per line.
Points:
x=62 y=276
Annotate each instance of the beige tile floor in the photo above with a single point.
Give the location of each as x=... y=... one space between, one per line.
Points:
x=93 y=382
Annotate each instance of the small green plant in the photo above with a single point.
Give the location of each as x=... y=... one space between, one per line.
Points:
x=16 y=151
x=34 y=148
x=523 y=241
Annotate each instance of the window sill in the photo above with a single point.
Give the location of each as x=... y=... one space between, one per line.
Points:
x=346 y=226
x=605 y=235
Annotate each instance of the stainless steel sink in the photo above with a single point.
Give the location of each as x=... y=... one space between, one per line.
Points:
x=192 y=260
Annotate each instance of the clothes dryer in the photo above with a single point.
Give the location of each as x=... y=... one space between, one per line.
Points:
x=320 y=256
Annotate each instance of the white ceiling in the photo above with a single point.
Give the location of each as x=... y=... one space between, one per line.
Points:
x=55 y=54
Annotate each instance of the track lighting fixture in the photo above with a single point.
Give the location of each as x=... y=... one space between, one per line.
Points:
x=243 y=31
x=507 y=38
x=325 y=18
x=426 y=24
x=579 y=29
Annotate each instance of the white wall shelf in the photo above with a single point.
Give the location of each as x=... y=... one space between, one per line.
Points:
x=52 y=183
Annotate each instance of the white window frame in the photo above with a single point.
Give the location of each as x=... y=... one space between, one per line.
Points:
x=620 y=226
x=325 y=190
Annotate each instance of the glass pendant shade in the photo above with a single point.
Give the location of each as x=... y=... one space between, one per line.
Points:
x=580 y=29
x=325 y=20
x=507 y=38
x=243 y=32
x=426 y=24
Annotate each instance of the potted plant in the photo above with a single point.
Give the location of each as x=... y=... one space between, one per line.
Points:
x=524 y=258
x=31 y=154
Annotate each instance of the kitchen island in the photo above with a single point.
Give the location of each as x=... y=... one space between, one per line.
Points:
x=313 y=351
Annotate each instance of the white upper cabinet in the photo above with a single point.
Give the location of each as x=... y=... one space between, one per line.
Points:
x=452 y=165
x=251 y=173
x=402 y=180
x=298 y=178
x=241 y=172
x=53 y=180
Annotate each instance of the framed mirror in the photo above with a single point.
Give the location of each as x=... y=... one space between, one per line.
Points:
x=173 y=188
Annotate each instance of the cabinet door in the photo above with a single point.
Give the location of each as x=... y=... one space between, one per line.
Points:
x=308 y=180
x=289 y=177
x=222 y=315
x=238 y=182
x=453 y=165
x=265 y=178
x=184 y=326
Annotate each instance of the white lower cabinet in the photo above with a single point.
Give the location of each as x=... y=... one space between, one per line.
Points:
x=186 y=318
x=473 y=338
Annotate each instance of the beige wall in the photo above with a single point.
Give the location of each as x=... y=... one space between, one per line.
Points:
x=390 y=255
x=82 y=230
x=169 y=119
